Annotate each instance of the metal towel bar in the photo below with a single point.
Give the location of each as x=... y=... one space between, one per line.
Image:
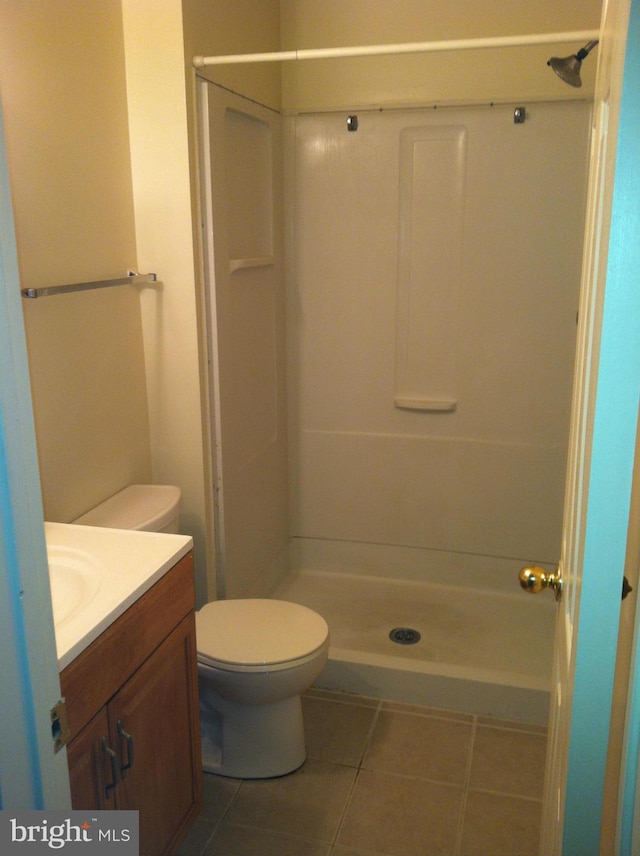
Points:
x=131 y=279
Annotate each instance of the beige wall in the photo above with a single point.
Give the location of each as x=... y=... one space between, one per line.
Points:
x=89 y=396
x=65 y=108
x=470 y=76
x=213 y=27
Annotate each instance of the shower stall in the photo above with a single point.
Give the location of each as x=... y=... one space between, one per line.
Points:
x=392 y=340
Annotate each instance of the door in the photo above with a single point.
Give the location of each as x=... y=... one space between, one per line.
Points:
x=605 y=412
x=242 y=206
x=31 y=774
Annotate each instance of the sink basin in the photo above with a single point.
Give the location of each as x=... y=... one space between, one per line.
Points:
x=96 y=574
x=75 y=579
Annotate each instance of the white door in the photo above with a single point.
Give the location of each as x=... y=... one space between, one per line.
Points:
x=605 y=410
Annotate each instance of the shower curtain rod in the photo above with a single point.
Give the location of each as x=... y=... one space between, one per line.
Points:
x=409 y=47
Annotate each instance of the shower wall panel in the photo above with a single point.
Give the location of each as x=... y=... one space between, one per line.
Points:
x=242 y=172
x=490 y=326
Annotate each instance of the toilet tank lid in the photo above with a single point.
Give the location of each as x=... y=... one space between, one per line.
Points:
x=146 y=507
x=256 y=631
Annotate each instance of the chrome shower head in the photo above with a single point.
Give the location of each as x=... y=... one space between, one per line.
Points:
x=568 y=69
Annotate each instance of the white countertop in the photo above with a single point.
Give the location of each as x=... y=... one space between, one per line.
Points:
x=96 y=574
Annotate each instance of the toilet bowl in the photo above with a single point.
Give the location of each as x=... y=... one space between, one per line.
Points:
x=255 y=657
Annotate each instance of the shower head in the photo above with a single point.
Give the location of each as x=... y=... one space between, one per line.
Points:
x=568 y=69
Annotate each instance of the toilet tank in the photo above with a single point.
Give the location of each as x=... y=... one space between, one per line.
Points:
x=147 y=507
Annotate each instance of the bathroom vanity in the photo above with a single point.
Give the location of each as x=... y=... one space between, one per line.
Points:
x=132 y=707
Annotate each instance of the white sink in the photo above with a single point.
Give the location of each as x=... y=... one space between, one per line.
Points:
x=96 y=574
x=75 y=578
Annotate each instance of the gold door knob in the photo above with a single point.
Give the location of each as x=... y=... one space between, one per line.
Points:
x=533 y=579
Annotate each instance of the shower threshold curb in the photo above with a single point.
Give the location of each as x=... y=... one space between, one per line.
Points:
x=464 y=694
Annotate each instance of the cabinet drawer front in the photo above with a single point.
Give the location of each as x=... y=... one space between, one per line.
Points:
x=97 y=673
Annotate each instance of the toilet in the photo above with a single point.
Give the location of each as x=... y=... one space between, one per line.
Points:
x=255 y=657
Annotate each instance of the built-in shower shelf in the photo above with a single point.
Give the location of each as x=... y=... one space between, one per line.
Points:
x=441 y=405
x=258 y=261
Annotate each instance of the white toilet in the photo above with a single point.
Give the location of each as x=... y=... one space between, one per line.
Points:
x=255 y=657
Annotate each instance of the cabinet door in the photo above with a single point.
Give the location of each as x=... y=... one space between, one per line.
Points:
x=154 y=719
x=93 y=765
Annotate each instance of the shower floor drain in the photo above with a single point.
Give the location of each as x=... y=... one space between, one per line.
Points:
x=404 y=636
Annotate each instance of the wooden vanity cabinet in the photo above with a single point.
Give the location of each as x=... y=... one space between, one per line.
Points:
x=132 y=705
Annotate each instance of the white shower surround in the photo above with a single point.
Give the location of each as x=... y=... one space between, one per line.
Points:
x=395 y=502
x=473 y=491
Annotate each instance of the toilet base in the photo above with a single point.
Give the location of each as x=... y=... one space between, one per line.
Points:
x=250 y=741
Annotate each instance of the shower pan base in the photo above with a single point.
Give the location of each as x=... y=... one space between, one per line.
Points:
x=474 y=653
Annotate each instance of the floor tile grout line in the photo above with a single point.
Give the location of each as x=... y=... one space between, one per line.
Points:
x=433 y=713
x=360 y=852
x=345 y=808
x=412 y=777
x=268 y=830
x=507 y=794
x=209 y=840
x=465 y=791
x=500 y=725
x=482 y=721
x=349 y=798
x=278 y=833
x=216 y=826
x=424 y=711
x=372 y=728
x=320 y=694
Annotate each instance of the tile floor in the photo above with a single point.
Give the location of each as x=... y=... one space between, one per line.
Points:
x=385 y=779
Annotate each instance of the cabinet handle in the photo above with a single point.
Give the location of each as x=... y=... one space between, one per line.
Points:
x=114 y=766
x=129 y=741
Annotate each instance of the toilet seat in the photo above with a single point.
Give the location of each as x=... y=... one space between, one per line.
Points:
x=257 y=635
